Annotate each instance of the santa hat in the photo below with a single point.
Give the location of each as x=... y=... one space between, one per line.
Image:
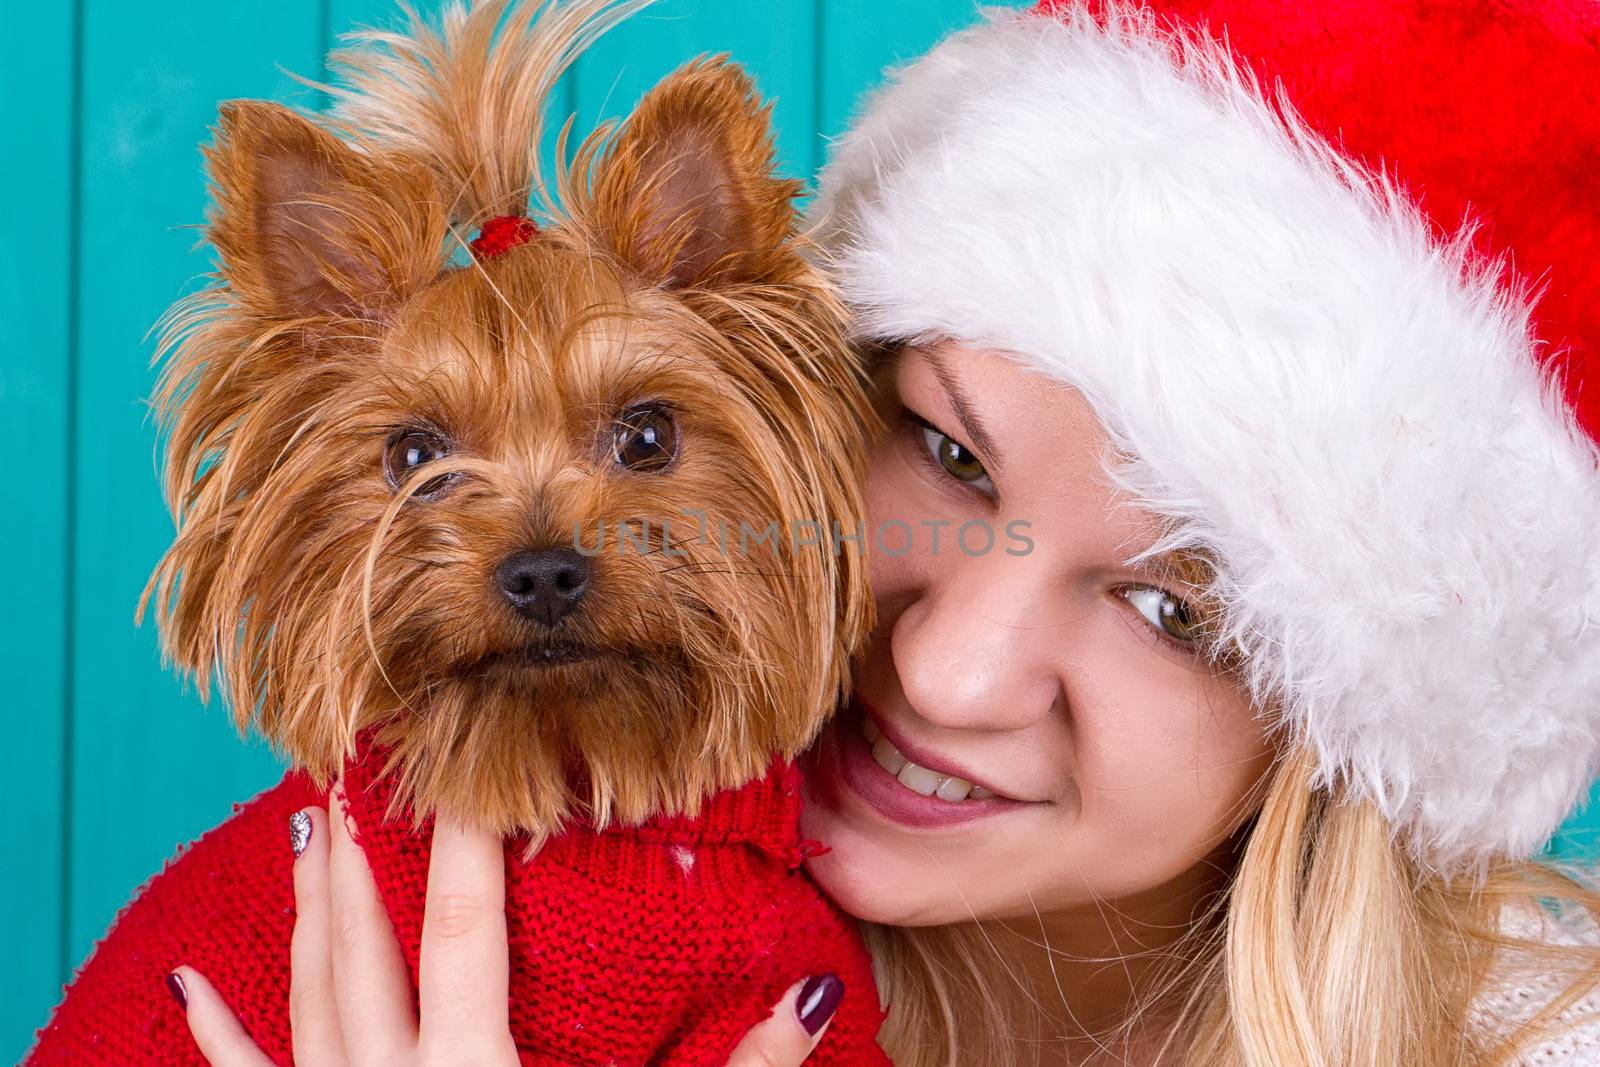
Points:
x=1329 y=272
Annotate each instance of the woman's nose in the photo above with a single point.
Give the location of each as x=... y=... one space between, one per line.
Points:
x=970 y=650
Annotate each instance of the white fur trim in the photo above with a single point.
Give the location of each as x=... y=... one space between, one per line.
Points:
x=1341 y=411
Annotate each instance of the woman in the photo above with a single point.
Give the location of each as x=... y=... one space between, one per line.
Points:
x=1240 y=755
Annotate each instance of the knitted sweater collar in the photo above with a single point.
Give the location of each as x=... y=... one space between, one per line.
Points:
x=763 y=814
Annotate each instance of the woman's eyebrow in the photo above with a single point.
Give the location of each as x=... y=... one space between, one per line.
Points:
x=970 y=422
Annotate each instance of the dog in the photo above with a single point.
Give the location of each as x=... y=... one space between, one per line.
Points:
x=487 y=487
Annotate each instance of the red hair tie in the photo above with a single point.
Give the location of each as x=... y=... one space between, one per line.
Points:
x=501 y=234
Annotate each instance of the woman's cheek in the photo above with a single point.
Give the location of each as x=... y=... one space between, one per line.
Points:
x=1136 y=733
x=894 y=519
x=1173 y=792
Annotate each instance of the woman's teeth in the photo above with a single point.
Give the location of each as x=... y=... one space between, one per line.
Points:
x=919 y=779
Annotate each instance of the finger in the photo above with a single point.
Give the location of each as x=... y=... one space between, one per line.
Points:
x=222 y=1040
x=313 y=1014
x=464 y=979
x=371 y=987
x=796 y=1025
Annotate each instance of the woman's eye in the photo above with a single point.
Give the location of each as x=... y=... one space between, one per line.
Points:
x=645 y=438
x=411 y=448
x=1173 y=617
x=956 y=458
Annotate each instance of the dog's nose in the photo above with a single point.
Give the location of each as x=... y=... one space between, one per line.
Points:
x=543 y=586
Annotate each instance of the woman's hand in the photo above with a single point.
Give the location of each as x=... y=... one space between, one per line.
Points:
x=350 y=1000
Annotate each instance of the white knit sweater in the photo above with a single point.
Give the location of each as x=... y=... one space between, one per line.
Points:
x=1518 y=991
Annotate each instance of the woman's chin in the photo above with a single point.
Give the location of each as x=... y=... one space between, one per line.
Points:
x=873 y=892
x=874 y=869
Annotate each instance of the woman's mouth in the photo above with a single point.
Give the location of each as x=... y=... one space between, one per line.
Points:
x=858 y=765
x=923 y=780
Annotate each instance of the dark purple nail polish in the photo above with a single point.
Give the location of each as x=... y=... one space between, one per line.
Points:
x=819 y=998
x=175 y=987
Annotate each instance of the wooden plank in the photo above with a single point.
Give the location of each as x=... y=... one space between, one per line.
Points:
x=150 y=767
x=775 y=41
x=37 y=102
x=346 y=15
x=1578 y=840
x=860 y=38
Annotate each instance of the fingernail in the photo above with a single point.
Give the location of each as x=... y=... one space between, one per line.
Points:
x=819 y=999
x=299 y=832
x=175 y=987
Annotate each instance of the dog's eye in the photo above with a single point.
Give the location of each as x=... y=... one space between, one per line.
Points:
x=411 y=448
x=645 y=438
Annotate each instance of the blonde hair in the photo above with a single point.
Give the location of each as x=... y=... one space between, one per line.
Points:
x=1329 y=947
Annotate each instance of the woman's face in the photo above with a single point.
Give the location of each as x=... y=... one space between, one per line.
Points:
x=1105 y=756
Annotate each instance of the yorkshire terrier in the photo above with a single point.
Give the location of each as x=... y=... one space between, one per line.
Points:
x=546 y=529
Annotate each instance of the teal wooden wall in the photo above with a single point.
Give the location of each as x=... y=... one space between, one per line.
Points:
x=103 y=104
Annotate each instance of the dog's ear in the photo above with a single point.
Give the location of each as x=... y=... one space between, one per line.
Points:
x=686 y=194
x=308 y=227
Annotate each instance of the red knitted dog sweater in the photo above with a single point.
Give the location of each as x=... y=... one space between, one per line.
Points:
x=660 y=944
